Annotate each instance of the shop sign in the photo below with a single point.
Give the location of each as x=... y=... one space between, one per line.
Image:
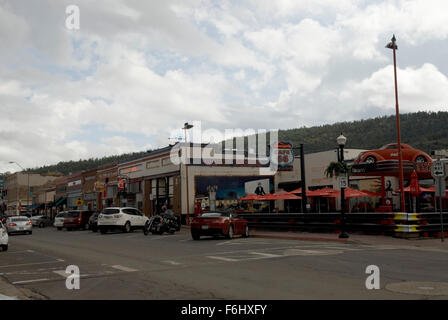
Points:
x=282 y=155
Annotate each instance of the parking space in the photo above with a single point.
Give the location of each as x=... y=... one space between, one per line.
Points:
x=22 y=267
x=139 y=263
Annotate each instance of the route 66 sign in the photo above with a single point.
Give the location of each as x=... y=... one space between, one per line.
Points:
x=282 y=155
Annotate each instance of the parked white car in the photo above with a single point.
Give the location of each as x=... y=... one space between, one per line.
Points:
x=125 y=219
x=59 y=220
x=3 y=237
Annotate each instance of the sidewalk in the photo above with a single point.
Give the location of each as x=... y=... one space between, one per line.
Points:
x=10 y=292
x=353 y=239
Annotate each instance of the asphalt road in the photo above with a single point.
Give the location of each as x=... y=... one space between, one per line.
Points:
x=134 y=266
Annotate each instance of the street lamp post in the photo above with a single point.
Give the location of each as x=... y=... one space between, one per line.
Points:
x=28 y=193
x=392 y=45
x=341 y=140
x=186 y=127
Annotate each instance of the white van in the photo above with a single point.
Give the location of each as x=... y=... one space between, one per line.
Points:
x=3 y=237
x=125 y=218
x=59 y=220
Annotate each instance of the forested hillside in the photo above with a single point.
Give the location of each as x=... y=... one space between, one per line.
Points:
x=423 y=130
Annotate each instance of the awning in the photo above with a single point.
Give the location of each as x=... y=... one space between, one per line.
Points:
x=60 y=201
x=34 y=206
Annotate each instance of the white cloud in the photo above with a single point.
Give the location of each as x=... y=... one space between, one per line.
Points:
x=423 y=88
x=142 y=68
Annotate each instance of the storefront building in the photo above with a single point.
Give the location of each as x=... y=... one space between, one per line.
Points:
x=106 y=186
x=90 y=195
x=151 y=182
x=60 y=197
x=74 y=190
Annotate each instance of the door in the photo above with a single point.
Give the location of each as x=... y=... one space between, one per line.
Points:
x=139 y=218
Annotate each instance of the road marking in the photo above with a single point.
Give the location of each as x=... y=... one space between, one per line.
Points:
x=172 y=262
x=30 y=264
x=266 y=255
x=30 y=281
x=22 y=251
x=221 y=258
x=123 y=268
x=62 y=273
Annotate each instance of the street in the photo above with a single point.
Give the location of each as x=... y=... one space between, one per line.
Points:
x=134 y=266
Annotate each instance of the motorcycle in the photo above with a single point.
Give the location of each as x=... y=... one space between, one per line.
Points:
x=159 y=224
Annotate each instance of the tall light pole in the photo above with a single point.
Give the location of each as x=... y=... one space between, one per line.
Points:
x=186 y=127
x=392 y=45
x=341 y=140
x=28 y=193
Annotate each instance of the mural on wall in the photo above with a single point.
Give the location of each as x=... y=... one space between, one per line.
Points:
x=231 y=188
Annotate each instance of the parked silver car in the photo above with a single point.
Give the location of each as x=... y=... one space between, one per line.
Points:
x=41 y=221
x=19 y=224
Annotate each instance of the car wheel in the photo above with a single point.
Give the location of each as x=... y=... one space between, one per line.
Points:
x=246 y=232
x=230 y=233
x=94 y=229
x=103 y=230
x=370 y=159
x=127 y=227
x=86 y=226
x=59 y=228
x=30 y=232
x=420 y=159
x=41 y=225
x=195 y=235
x=5 y=247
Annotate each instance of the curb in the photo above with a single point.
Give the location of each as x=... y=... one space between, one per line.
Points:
x=11 y=292
x=270 y=236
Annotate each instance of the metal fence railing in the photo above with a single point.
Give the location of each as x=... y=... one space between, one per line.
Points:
x=399 y=224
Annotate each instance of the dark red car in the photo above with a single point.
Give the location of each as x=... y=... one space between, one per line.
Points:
x=390 y=152
x=77 y=219
x=218 y=224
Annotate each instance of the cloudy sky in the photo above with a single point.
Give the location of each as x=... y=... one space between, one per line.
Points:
x=137 y=70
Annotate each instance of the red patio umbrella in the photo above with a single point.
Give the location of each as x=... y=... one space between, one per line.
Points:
x=267 y=196
x=353 y=193
x=421 y=189
x=327 y=192
x=372 y=194
x=284 y=195
x=299 y=191
x=251 y=196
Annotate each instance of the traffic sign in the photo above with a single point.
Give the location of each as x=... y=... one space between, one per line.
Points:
x=438 y=169
x=343 y=183
x=440 y=187
x=79 y=202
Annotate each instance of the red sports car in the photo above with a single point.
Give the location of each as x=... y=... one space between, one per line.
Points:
x=390 y=152
x=218 y=224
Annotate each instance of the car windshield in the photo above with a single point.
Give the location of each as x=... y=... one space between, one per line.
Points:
x=20 y=219
x=110 y=211
x=73 y=214
x=215 y=214
x=61 y=215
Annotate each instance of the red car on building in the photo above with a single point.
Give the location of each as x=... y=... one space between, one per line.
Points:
x=390 y=152
x=218 y=224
